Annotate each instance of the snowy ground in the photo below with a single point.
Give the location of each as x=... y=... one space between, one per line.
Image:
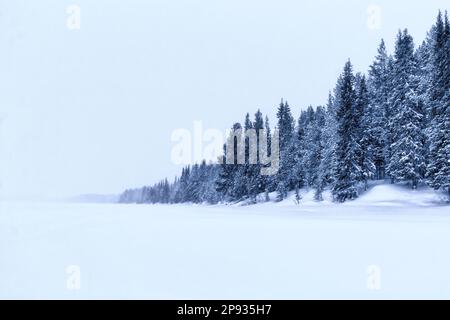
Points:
x=390 y=243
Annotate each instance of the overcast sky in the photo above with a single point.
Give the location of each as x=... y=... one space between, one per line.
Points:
x=91 y=110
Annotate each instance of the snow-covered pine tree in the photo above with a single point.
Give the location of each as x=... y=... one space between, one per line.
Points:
x=363 y=122
x=299 y=140
x=225 y=178
x=270 y=181
x=313 y=151
x=378 y=89
x=256 y=182
x=203 y=182
x=423 y=57
x=226 y=182
x=319 y=152
x=329 y=140
x=308 y=150
x=243 y=176
x=407 y=150
x=424 y=72
x=210 y=194
x=165 y=191
x=286 y=129
x=438 y=169
x=193 y=189
x=346 y=168
x=174 y=191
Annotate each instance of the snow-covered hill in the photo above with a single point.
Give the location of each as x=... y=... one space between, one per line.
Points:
x=399 y=195
x=378 y=194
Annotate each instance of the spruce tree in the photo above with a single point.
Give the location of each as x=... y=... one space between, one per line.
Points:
x=347 y=168
x=270 y=181
x=286 y=129
x=438 y=169
x=329 y=141
x=407 y=160
x=378 y=90
x=363 y=123
x=257 y=182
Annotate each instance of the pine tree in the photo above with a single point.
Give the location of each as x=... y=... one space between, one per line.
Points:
x=228 y=175
x=319 y=152
x=407 y=161
x=329 y=141
x=438 y=169
x=210 y=195
x=378 y=90
x=299 y=141
x=243 y=176
x=286 y=129
x=363 y=122
x=257 y=182
x=309 y=150
x=347 y=168
x=165 y=191
x=270 y=181
x=313 y=152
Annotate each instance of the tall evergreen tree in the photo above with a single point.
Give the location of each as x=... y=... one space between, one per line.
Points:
x=225 y=184
x=407 y=161
x=257 y=182
x=347 y=167
x=286 y=129
x=329 y=142
x=314 y=153
x=271 y=179
x=438 y=169
x=299 y=145
x=363 y=122
x=243 y=177
x=378 y=89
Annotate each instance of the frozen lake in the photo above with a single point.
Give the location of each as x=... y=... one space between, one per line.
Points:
x=187 y=252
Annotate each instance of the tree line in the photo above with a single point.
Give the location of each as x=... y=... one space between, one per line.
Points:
x=392 y=123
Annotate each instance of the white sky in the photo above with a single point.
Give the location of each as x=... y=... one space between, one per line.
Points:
x=92 y=110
